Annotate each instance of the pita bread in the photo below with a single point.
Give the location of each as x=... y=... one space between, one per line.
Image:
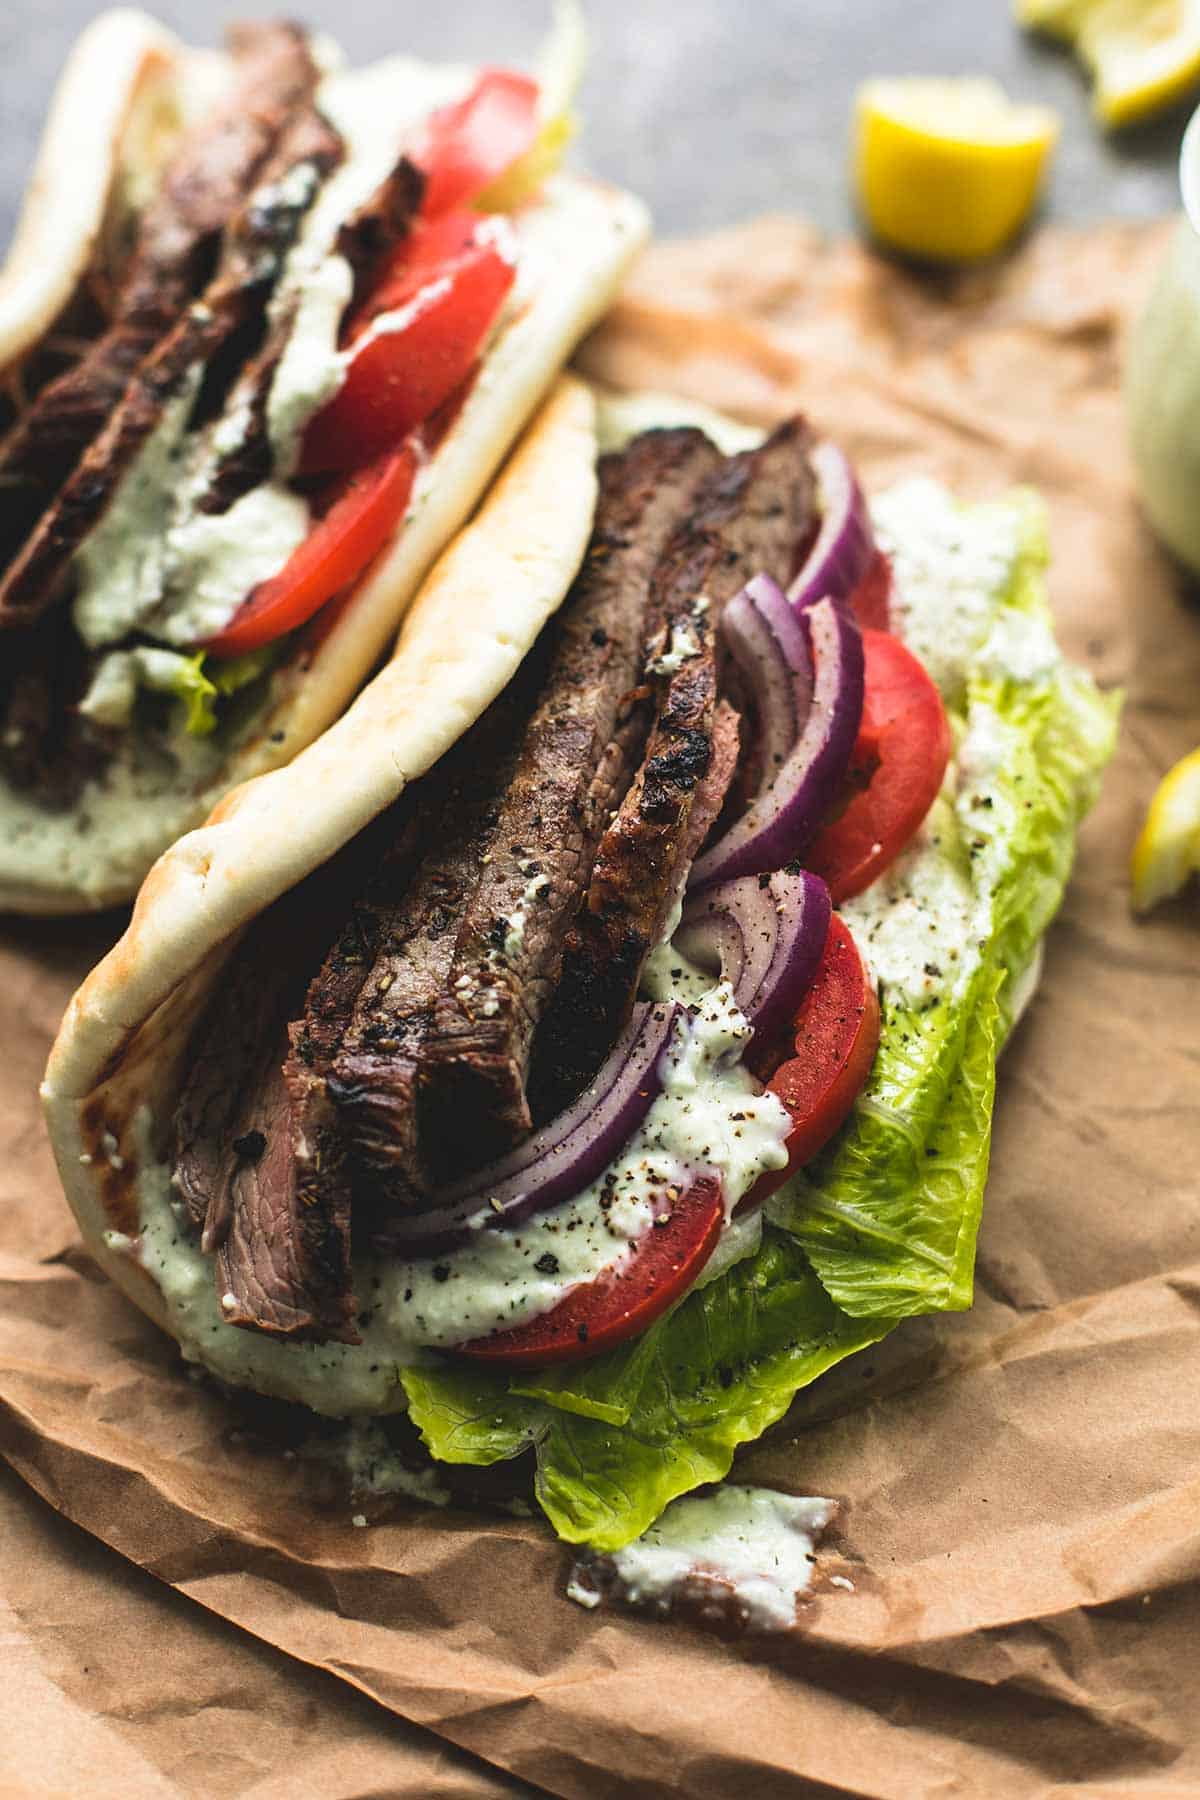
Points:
x=581 y=236
x=474 y=619
x=120 y=71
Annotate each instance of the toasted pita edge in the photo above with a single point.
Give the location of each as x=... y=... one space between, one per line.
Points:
x=591 y=234
x=114 y=65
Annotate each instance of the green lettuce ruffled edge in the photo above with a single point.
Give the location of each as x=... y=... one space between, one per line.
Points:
x=882 y=1228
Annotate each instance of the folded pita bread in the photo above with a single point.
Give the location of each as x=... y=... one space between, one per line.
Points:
x=126 y=87
x=115 y=1068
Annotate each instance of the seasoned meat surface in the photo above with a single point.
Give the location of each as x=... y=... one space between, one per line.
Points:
x=206 y=183
x=234 y=301
x=573 y=768
x=476 y=949
x=749 y=517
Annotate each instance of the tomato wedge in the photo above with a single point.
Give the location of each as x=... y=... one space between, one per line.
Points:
x=869 y=601
x=396 y=379
x=598 y=1314
x=836 y=1037
x=897 y=765
x=466 y=146
x=354 y=529
x=423 y=254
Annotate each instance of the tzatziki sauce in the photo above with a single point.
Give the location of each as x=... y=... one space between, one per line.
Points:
x=753 y=1546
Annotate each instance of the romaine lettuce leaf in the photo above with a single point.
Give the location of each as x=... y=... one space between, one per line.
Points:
x=889 y=1214
x=715 y=1373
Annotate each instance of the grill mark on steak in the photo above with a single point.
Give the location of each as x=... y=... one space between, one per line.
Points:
x=373 y=1077
x=573 y=767
x=366 y=240
x=256 y=244
x=205 y=184
x=751 y=516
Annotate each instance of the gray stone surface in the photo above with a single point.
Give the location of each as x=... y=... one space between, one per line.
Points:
x=713 y=110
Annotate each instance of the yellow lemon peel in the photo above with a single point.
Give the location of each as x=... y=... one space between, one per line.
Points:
x=948 y=169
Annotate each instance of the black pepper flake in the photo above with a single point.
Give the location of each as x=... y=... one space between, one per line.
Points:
x=582 y=1334
x=250 y=1145
x=441 y=1271
x=547 y=1263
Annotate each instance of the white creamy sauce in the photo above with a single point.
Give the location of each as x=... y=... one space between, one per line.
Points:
x=918 y=925
x=709 y=1115
x=213 y=560
x=120 y=563
x=1019 y=647
x=753 y=1544
x=146 y=799
x=950 y=563
x=683 y=646
x=154 y=562
x=376 y=110
x=113 y=689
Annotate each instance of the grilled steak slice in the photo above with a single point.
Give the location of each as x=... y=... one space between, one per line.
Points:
x=48 y=750
x=373 y=1079
x=256 y=243
x=367 y=240
x=207 y=181
x=256 y=1159
x=573 y=767
x=752 y=516
x=284 y=1264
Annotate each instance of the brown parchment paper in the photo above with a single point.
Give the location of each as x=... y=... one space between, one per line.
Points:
x=1022 y=1482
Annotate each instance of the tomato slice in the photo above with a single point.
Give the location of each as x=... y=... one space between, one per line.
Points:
x=466 y=146
x=897 y=765
x=836 y=1037
x=429 y=245
x=355 y=527
x=396 y=379
x=869 y=601
x=598 y=1314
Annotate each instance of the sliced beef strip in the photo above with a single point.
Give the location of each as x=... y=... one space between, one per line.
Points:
x=206 y=182
x=48 y=750
x=284 y=1264
x=367 y=240
x=751 y=516
x=373 y=1077
x=579 y=751
x=257 y=1159
x=256 y=244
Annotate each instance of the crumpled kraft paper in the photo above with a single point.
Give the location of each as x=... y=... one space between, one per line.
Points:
x=1022 y=1483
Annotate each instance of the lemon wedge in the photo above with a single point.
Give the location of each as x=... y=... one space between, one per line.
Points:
x=948 y=169
x=1143 y=54
x=1168 y=849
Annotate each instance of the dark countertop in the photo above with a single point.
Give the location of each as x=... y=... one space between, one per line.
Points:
x=713 y=111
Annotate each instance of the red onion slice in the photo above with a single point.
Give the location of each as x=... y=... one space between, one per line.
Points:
x=769 y=936
x=779 y=822
x=768 y=643
x=845 y=543
x=556 y=1162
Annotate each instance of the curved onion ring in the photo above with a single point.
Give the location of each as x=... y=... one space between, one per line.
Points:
x=786 y=814
x=557 y=1161
x=769 y=937
x=845 y=543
